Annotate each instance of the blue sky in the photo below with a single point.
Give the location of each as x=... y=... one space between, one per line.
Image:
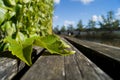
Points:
x=71 y=11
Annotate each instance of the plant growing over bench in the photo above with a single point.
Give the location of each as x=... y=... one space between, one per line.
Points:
x=28 y=23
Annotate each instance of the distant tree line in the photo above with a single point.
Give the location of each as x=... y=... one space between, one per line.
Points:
x=109 y=23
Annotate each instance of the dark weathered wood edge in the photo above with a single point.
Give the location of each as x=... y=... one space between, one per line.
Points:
x=102 y=75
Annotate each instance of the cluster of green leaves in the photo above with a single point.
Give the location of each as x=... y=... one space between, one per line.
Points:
x=25 y=23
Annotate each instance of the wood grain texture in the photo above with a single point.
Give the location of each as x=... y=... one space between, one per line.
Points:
x=105 y=56
x=72 y=71
x=109 y=51
x=72 y=67
x=11 y=66
x=89 y=71
x=46 y=68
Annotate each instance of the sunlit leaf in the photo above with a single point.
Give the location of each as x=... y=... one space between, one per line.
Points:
x=22 y=51
x=2 y=15
x=53 y=44
x=20 y=37
x=10 y=2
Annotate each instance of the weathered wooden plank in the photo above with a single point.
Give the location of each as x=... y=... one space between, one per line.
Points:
x=10 y=66
x=72 y=67
x=72 y=71
x=50 y=67
x=88 y=70
x=109 y=51
x=104 y=56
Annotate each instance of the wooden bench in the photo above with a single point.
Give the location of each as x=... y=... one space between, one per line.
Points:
x=105 y=56
x=10 y=66
x=72 y=67
x=107 y=50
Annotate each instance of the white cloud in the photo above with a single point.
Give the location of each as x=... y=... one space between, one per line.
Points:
x=67 y=23
x=84 y=1
x=100 y=18
x=96 y=18
x=118 y=14
x=57 y=1
x=55 y=18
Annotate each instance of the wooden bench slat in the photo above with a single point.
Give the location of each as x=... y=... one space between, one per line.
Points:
x=109 y=51
x=46 y=68
x=9 y=66
x=88 y=69
x=72 y=67
x=72 y=71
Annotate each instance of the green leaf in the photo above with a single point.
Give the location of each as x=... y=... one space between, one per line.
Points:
x=1 y=3
x=20 y=37
x=28 y=41
x=21 y=50
x=49 y=39
x=7 y=27
x=55 y=47
x=9 y=3
x=27 y=51
x=2 y=15
x=26 y=1
x=10 y=14
x=53 y=44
